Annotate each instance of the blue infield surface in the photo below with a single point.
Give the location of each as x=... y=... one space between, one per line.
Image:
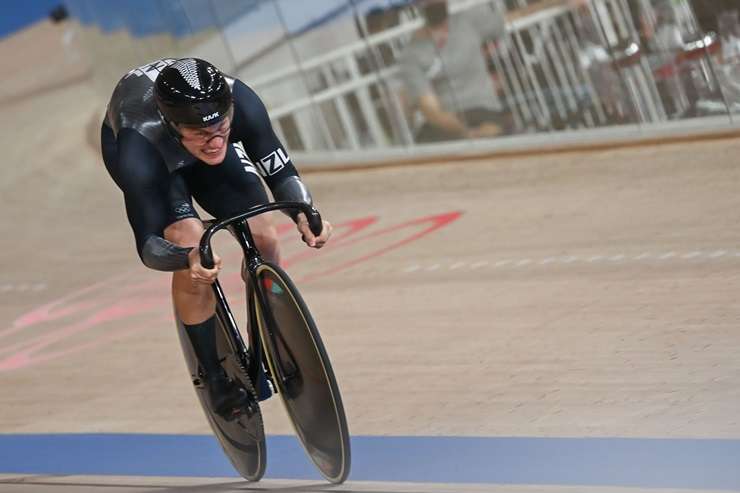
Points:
x=650 y=463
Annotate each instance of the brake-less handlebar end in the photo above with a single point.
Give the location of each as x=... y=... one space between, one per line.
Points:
x=315 y=224
x=206 y=256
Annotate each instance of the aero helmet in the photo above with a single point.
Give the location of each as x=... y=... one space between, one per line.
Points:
x=192 y=92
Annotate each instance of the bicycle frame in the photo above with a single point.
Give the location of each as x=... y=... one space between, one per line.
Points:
x=252 y=260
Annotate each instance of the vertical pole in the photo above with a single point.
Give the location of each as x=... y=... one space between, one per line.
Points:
x=368 y=110
x=319 y=116
x=348 y=127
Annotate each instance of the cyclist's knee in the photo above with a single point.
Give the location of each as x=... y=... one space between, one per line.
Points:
x=184 y=285
x=268 y=245
x=186 y=232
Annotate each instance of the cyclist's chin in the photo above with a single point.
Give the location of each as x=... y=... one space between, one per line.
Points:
x=212 y=157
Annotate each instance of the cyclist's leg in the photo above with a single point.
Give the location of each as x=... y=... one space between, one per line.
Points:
x=194 y=303
x=160 y=203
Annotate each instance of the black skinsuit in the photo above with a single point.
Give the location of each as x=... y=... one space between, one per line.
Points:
x=159 y=177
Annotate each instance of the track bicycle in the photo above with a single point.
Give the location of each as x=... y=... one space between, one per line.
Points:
x=283 y=353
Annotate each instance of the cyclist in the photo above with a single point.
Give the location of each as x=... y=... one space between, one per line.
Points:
x=177 y=130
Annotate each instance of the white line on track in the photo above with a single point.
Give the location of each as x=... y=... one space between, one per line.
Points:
x=569 y=259
x=23 y=287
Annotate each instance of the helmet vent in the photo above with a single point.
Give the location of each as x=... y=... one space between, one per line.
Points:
x=189 y=71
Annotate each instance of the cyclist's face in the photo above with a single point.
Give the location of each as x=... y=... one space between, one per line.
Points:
x=209 y=144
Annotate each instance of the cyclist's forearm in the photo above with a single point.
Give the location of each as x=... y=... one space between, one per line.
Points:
x=160 y=254
x=292 y=189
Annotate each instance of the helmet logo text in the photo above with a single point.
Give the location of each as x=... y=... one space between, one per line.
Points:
x=210 y=117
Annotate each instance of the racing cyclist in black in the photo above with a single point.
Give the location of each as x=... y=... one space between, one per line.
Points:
x=177 y=130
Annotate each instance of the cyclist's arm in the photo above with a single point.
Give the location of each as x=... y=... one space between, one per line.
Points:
x=144 y=180
x=265 y=149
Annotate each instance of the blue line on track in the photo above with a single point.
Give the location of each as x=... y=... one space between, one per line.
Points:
x=649 y=463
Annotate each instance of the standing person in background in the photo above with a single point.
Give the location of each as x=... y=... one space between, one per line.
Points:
x=446 y=76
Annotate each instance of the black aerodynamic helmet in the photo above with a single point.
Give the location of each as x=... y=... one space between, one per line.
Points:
x=192 y=92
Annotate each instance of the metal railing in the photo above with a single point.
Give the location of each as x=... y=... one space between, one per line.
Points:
x=559 y=68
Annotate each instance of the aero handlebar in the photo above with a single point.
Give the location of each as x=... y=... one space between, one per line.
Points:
x=206 y=253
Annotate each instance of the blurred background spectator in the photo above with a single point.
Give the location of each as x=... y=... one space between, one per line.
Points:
x=445 y=74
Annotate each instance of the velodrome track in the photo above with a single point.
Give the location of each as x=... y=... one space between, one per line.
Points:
x=548 y=323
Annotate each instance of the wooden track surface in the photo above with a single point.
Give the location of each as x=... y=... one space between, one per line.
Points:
x=579 y=294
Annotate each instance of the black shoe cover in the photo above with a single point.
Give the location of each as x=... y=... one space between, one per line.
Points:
x=227 y=397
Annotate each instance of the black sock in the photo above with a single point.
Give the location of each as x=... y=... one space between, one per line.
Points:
x=203 y=338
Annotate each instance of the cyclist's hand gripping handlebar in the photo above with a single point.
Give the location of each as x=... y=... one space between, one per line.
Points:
x=206 y=252
x=315 y=224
